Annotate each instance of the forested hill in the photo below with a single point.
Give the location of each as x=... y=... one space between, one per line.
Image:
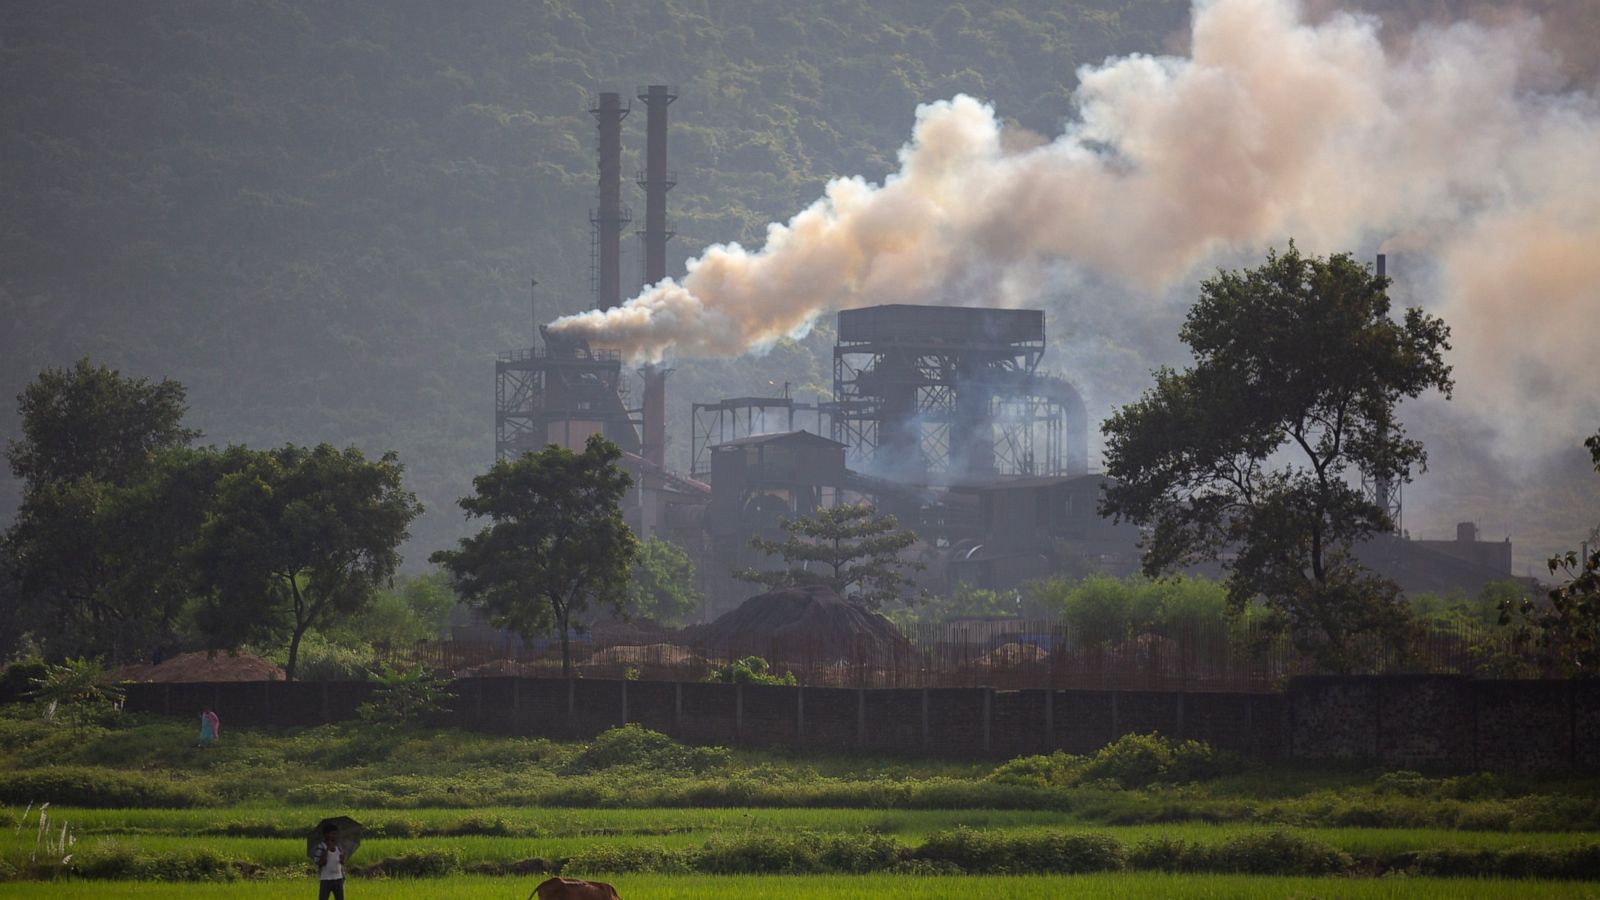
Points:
x=322 y=217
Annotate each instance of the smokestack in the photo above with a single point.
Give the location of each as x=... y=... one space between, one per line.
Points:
x=1382 y=490
x=609 y=217
x=656 y=181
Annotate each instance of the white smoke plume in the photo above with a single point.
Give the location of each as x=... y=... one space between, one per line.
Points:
x=1461 y=143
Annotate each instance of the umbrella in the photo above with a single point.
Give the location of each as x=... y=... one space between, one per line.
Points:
x=349 y=836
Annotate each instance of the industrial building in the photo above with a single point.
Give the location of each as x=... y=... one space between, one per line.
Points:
x=940 y=416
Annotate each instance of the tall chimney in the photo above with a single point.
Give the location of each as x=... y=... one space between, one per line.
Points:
x=656 y=181
x=609 y=217
x=1382 y=490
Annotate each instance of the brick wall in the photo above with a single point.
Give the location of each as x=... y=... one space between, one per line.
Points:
x=1429 y=722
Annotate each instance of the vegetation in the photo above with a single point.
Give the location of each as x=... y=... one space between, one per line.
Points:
x=662 y=588
x=297 y=538
x=1565 y=633
x=749 y=670
x=1298 y=369
x=556 y=545
x=92 y=575
x=854 y=550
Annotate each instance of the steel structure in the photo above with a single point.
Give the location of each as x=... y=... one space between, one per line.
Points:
x=559 y=394
x=1382 y=492
x=741 y=417
x=951 y=393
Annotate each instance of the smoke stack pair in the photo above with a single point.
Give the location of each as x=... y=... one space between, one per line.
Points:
x=610 y=217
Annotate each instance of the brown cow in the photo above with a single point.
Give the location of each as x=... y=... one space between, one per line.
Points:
x=574 y=889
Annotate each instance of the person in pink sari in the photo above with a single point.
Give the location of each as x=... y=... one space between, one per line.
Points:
x=210 y=728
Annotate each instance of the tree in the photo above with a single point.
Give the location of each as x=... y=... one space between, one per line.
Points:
x=1565 y=632
x=298 y=538
x=1250 y=452
x=662 y=587
x=111 y=493
x=556 y=544
x=857 y=553
x=91 y=422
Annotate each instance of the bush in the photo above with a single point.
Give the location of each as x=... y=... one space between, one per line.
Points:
x=616 y=858
x=1140 y=760
x=1055 y=770
x=1273 y=853
x=639 y=747
x=114 y=861
x=86 y=787
x=750 y=670
x=423 y=862
x=20 y=680
x=995 y=853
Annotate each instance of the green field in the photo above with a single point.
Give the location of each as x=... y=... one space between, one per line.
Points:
x=469 y=815
x=866 y=887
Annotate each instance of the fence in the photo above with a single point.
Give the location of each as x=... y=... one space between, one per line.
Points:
x=1004 y=654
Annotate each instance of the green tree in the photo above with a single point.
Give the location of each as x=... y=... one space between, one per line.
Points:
x=662 y=587
x=1251 y=451
x=855 y=551
x=416 y=608
x=112 y=495
x=556 y=544
x=91 y=422
x=298 y=538
x=1565 y=632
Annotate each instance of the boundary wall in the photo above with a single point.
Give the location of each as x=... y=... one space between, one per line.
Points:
x=1432 y=722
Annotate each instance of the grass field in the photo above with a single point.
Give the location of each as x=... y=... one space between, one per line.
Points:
x=866 y=887
x=452 y=814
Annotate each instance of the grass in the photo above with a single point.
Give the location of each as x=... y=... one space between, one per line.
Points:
x=868 y=887
x=145 y=804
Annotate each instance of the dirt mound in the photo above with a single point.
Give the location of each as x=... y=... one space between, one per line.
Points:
x=1014 y=654
x=808 y=623
x=648 y=654
x=202 y=666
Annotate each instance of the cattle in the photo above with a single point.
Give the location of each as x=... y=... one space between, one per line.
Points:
x=574 y=889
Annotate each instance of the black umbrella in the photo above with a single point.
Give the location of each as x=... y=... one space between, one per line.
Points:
x=349 y=836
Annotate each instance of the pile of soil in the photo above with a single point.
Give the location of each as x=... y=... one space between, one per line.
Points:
x=202 y=666
x=1011 y=655
x=807 y=623
x=647 y=654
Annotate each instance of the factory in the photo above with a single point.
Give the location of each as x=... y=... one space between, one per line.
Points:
x=939 y=415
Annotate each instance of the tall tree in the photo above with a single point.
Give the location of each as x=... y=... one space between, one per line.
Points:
x=299 y=538
x=1249 y=454
x=855 y=551
x=662 y=587
x=91 y=422
x=556 y=544
x=110 y=498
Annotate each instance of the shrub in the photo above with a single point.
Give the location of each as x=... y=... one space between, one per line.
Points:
x=628 y=858
x=404 y=697
x=20 y=680
x=1055 y=770
x=75 y=786
x=750 y=670
x=1404 y=783
x=1140 y=760
x=1272 y=853
x=636 y=746
x=422 y=862
x=985 y=852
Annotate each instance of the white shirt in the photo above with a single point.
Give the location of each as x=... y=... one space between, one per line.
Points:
x=332 y=863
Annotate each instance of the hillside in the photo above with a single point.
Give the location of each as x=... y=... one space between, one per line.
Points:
x=323 y=218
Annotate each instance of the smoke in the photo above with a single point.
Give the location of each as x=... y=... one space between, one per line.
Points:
x=1464 y=143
